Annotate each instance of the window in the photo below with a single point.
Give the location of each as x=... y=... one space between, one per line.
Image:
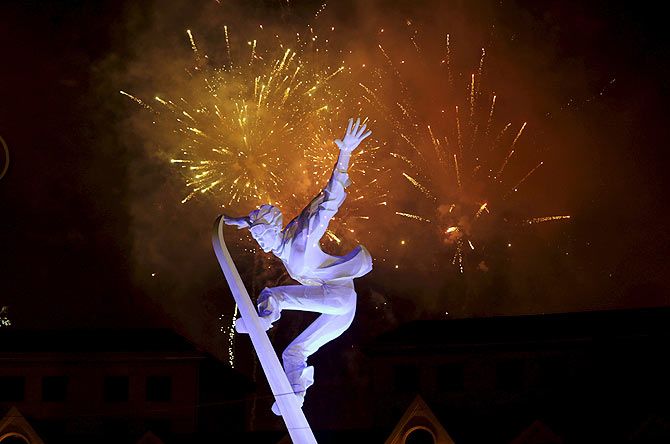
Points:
x=14 y=439
x=509 y=375
x=420 y=436
x=159 y=388
x=116 y=389
x=406 y=378
x=12 y=388
x=450 y=377
x=54 y=388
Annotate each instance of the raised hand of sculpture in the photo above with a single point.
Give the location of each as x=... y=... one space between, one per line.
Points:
x=326 y=281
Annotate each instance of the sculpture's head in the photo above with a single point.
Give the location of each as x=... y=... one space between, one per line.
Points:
x=265 y=225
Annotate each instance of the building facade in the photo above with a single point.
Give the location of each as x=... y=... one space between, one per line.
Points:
x=115 y=386
x=587 y=377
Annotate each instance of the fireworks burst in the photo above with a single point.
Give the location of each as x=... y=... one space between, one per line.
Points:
x=259 y=129
x=458 y=164
x=257 y=126
x=242 y=129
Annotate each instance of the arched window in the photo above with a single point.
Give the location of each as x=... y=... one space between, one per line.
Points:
x=420 y=436
x=13 y=438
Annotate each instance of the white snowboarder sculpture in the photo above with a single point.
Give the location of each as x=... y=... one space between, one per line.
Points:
x=327 y=282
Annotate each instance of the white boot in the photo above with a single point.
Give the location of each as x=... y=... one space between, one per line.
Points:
x=306 y=379
x=268 y=312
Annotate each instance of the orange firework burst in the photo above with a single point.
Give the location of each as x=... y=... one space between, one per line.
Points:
x=259 y=129
x=459 y=163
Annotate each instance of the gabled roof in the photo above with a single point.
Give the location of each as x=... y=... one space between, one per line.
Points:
x=419 y=416
x=655 y=428
x=14 y=424
x=149 y=438
x=537 y=433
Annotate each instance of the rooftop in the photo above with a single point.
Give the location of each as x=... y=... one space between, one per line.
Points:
x=93 y=341
x=526 y=330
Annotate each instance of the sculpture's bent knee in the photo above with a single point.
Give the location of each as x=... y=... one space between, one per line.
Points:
x=294 y=355
x=341 y=298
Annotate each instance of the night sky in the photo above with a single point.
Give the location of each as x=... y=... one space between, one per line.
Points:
x=89 y=214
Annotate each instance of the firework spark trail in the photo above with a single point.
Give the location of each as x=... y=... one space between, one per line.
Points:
x=4 y=318
x=537 y=220
x=436 y=145
x=333 y=236
x=230 y=331
x=472 y=98
x=404 y=159
x=458 y=256
x=447 y=61
x=523 y=179
x=458 y=174
x=458 y=133
x=480 y=71
x=231 y=338
x=412 y=216
x=193 y=45
x=136 y=100
x=230 y=57
x=511 y=152
x=483 y=208
x=417 y=184
x=490 y=119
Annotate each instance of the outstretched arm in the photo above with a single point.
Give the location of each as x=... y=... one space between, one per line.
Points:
x=334 y=191
x=352 y=138
x=322 y=209
x=239 y=222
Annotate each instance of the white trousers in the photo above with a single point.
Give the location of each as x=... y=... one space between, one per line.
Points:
x=336 y=302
